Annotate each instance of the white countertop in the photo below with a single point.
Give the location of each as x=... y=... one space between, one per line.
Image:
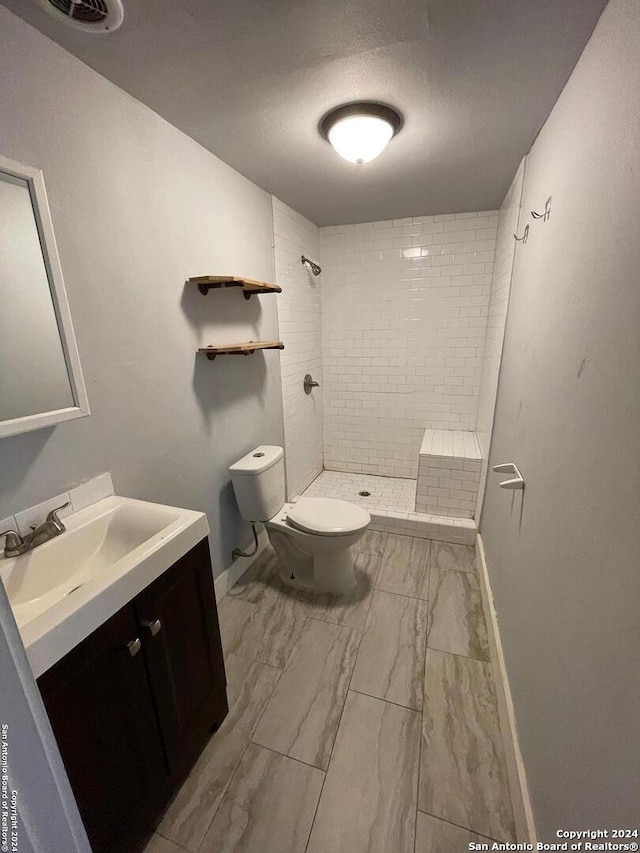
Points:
x=109 y=553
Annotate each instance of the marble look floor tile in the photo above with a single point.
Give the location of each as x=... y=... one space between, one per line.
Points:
x=463 y=776
x=302 y=716
x=249 y=686
x=261 y=574
x=351 y=609
x=437 y=836
x=390 y=662
x=158 y=844
x=368 y=803
x=445 y=555
x=405 y=566
x=263 y=578
x=456 y=617
x=268 y=807
x=373 y=542
x=264 y=631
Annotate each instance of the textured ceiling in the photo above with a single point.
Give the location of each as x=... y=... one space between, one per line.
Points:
x=250 y=79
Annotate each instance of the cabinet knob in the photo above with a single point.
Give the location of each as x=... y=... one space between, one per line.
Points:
x=134 y=646
x=154 y=627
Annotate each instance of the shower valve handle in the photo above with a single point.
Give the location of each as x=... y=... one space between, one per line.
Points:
x=309 y=383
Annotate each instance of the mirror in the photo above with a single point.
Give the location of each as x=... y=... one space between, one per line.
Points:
x=40 y=377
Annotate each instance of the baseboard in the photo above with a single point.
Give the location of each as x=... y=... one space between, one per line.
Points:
x=232 y=575
x=520 y=798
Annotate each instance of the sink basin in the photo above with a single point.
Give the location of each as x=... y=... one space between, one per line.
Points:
x=42 y=577
x=63 y=590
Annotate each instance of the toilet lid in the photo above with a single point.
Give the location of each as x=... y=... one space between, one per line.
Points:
x=327 y=516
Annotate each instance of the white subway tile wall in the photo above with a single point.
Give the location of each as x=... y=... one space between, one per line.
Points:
x=448 y=473
x=404 y=315
x=497 y=318
x=299 y=326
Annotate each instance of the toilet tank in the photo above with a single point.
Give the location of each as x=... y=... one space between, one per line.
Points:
x=258 y=482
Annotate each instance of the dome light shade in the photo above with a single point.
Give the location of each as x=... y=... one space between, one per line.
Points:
x=360 y=132
x=360 y=139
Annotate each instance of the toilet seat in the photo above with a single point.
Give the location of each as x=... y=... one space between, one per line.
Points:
x=327 y=517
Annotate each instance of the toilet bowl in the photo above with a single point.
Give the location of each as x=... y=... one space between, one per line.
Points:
x=312 y=537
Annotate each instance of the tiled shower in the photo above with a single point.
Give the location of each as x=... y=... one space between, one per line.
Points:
x=404 y=312
x=403 y=330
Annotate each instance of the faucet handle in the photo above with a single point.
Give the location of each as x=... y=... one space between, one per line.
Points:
x=52 y=517
x=13 y=543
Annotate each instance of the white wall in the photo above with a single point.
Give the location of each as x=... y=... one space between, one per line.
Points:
x=564 y=555
x=404 y=315
x=299 y=323
x=496 y=321
x=137 y=208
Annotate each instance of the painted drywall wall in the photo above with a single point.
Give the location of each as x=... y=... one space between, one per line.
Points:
x=564 y=554
x=404 y=316
x=496 y=321
x=137 y=208
x=299 y=324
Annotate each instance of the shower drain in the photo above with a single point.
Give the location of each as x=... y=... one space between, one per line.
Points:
x=365 y=494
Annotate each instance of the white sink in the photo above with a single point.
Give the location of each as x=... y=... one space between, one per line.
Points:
x=63 y=590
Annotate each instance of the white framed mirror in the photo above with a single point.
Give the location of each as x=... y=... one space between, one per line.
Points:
x=41 y=380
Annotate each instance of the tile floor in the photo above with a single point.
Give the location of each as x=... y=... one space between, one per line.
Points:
x=395 y=494
x=391 y=506
x=366 y=724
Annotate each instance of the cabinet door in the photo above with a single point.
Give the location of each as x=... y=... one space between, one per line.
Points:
x=100 y=706
x=181 y=639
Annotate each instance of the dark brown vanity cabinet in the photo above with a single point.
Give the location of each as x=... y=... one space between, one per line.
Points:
x=178 y=622
x=133 y=705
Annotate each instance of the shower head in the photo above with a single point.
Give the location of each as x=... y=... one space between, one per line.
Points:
x=315 y=269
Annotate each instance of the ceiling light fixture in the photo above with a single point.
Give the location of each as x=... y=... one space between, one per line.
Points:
x=360 y=132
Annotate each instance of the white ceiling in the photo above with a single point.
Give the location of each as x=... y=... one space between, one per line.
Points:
x=250 y=80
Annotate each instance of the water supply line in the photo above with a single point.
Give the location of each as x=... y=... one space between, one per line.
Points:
x=237 y=552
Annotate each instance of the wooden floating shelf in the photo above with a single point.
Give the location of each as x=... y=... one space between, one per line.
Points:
x=249 y=286
x=240 y=349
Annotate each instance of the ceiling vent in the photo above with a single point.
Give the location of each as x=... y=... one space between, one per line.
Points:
x=90 y=16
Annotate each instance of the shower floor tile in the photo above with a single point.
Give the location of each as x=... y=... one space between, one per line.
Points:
x=391 y=504
x=389 y=494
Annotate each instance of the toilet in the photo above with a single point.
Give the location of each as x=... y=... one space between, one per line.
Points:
x=312 y=536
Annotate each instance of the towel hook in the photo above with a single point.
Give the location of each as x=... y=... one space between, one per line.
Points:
x=546 y=213
x=525 y=236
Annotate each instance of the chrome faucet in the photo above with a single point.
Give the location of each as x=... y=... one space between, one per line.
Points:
x=52 y=526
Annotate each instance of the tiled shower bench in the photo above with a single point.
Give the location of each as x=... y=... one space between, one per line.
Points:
x=448 y=473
